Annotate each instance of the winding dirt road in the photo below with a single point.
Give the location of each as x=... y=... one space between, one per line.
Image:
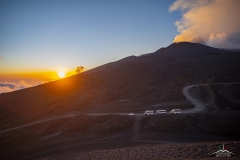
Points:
x=199 y=106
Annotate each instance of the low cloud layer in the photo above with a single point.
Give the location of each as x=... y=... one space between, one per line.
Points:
x=9 y=87
x=212 y=22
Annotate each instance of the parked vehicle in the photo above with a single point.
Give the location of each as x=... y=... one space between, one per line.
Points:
x=175 y=111
x=148 y=112
x=161 y=112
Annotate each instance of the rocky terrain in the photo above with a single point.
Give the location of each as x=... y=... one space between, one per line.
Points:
x=184 y=151
x=87 y=133
x=55 y=117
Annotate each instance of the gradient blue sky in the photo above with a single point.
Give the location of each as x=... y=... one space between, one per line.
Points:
x=52 y=35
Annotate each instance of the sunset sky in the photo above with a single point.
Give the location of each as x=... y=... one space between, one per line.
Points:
x=52 y=35
x=40 y=38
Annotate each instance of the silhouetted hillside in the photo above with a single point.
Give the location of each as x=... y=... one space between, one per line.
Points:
x=153 y=80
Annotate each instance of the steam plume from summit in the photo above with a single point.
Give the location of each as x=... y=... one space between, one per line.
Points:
x=212 y=22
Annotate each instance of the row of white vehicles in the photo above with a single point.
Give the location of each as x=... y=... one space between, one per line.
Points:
x=151 y=112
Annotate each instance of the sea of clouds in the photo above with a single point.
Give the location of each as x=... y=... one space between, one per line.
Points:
x=10 y=86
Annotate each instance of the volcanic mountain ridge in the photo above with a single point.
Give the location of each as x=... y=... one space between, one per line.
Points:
x=133 y=84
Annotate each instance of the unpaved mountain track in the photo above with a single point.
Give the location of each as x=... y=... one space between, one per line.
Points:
x=199 y=106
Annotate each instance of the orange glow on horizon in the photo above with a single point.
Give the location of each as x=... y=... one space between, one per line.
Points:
x=45 y=76
x=37 y=76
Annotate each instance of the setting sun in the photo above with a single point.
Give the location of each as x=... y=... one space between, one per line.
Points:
x=61 y=74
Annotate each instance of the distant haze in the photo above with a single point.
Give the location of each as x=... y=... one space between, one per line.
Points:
x=212 y=22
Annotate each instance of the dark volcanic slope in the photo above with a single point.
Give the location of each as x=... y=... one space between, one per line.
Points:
x=131 y=84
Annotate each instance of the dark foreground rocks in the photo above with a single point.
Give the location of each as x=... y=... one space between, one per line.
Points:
x=186 y=136
x=202 y=150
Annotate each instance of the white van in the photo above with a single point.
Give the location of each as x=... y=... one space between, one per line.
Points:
x=148 y=112
x=161 y=112
x=175 y=111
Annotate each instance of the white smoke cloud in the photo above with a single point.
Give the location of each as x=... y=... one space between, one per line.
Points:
x=212 y=22
x=9 y=87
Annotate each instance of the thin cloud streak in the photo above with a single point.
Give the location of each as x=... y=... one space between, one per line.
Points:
x=212 y=22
